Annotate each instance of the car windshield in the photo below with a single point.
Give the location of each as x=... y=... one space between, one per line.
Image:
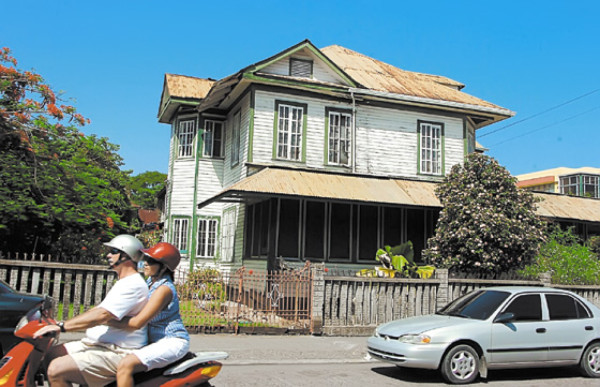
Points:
x=477 y=305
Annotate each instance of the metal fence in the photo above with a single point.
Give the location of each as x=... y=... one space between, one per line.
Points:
x=246 y=300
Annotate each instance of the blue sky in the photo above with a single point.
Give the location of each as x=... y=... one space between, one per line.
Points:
x=537 y=58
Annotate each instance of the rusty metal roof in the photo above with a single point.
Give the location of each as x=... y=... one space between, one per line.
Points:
x=292 y=183
x=376 y=75
x=181 y=89
x=183 y=86
x=564 y=207
x=280 y=182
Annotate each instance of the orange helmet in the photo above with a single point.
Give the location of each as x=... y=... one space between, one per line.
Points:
x=165 y=253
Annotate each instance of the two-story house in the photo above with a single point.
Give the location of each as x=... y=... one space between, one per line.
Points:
x=312 y=154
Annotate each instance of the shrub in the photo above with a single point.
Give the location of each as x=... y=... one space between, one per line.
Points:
x=570 y=262
x=487 y=225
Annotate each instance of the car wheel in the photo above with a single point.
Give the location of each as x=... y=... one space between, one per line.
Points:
x=460 y=365
x=590 y=361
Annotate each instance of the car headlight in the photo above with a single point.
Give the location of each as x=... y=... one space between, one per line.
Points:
x=415 y=339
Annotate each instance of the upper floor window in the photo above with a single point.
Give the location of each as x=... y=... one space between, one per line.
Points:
x=339 y=134
x=213 y=139
x=301 y=68
x=207 y=238
x=580 y=185
x=289 y=127
x=235 y=140
x=430 y=144
x=180 y=234
x=185 y=136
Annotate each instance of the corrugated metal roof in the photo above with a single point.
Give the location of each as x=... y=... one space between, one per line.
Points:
x=566 y=207
x=183 y=86
x=376 y=75
x=281 y=182
x=330 y=186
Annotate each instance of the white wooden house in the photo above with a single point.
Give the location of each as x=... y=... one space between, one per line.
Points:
x=320 y=154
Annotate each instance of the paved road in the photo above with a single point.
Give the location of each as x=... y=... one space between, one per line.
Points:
x=338 y=361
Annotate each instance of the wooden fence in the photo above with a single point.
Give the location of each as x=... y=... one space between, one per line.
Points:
x=74 y=288
x=355 y=305
x=304 y=299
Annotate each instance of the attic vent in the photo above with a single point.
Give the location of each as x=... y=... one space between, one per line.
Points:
x=301 y=68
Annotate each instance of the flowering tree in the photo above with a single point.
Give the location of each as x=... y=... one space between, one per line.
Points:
x=62 y=192
x=487 y=225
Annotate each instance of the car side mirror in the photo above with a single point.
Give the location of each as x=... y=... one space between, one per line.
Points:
x=504 y=317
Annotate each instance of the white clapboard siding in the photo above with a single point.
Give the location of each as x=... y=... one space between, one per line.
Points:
x=386 y=138
x=237 y=172
x=182 y=182
x=321 y=71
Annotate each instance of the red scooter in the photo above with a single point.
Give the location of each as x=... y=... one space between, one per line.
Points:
x=21 y=365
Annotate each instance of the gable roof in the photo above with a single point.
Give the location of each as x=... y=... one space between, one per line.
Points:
x=359 y=74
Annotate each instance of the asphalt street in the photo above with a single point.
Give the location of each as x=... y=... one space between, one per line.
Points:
x=291 y=361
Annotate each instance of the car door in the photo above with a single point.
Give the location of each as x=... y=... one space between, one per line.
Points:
x=570 y=327
x=523 y=339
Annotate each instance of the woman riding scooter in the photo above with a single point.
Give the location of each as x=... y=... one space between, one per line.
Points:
x=168 y=338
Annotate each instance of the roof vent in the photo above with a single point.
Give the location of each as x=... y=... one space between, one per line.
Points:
x=301 y=68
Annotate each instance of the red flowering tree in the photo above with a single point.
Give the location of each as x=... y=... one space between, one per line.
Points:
x=62 y=192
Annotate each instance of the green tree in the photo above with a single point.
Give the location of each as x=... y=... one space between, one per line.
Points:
x=487 y=225
x=145 y=186
x=62 y=192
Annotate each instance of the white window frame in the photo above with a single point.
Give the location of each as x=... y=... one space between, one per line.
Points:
x=228 y=234
x=186 y=132
x=180 y=233
x=235 y=139
x=207 y=237
x=569 y=185
x=210 y=128
x=340 y=134
x=290 y=127
x=590 y=181
x=430 y=140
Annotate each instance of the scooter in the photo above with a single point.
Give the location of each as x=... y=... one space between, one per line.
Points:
x=21 y=365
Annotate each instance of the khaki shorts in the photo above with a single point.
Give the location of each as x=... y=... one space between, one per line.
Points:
x=96 y=362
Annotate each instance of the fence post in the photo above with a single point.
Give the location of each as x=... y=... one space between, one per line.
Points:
x=442 y=296
x=318 y=295
x=546 y=278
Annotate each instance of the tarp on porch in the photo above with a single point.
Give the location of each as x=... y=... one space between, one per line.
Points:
x=279 y=182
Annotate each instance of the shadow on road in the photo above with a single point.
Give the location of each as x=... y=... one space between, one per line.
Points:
x=419 y=376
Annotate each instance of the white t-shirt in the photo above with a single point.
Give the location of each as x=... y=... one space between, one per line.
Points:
x=126 y=298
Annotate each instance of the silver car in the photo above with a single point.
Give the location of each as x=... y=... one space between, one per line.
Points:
x=494 y=328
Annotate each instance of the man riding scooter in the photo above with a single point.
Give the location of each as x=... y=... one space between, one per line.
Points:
x=94 y=359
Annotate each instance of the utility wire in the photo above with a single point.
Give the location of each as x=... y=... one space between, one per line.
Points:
x=540 y=113
x=546 y=126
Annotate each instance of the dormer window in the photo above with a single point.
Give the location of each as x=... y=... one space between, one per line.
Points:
x=302 y=68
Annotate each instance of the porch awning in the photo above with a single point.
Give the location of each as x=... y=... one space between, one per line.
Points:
x=568 y=208
x=291 y=183
x=278 y=182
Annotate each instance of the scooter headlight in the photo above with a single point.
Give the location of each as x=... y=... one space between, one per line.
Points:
x=22 y=322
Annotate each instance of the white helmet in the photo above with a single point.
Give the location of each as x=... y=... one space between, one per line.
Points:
x=129 y=245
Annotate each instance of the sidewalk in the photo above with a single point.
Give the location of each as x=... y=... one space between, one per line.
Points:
x=255 y=349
